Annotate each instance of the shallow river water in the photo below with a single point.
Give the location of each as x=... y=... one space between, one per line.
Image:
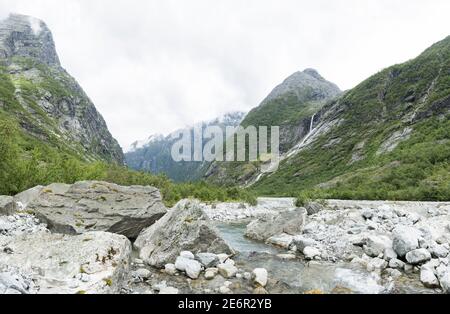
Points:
x=299 y=276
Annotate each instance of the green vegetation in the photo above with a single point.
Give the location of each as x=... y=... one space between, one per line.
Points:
x=414 y=95
x=25 y=167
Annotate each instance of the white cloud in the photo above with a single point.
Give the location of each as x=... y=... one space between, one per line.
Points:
x=153 y=66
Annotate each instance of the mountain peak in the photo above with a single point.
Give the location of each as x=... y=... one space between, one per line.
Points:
x=301 y=82
x=26 y=36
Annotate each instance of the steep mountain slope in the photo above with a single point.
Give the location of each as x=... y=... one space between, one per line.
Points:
x=48 y=104
x=388 y=138
x=154 y=154
x=292 y=106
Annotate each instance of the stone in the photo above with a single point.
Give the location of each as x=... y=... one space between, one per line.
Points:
x=367 y=214
x=311 y=252
x=211 y=273
x=7 y=205
x=169 y=290
x=405 y=239
x=313 y=208
x=376 y=245
x=396 y=264
x=142 y=273
x=26 y=197
x=428 y=278
x=13 y=282
x=187 y=254
x=183 y=228
x=445 y=282
x=260 y=291
x=418 y=256
x=54 y=258
x=301 y=242
x=224 y=290
x=207 y=259
x=376 y=264
x=282 y=240
x=190 y=266
x=227 y=270
x=98 y=206
x=438 y=251
x=389 y=254
x=170 y=269
x=260 y=277
x=222 y=258
x=287 y=256
x=394 y=273
x=288 y=222
x=247 y=276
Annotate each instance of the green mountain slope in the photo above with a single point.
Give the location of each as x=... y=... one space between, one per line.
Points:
x=40 y=96
x=292 y=106
x=388 y=138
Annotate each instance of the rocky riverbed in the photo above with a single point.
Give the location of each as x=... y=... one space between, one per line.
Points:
x=96 y=237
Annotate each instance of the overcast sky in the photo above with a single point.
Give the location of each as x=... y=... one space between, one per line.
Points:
x=156 y=65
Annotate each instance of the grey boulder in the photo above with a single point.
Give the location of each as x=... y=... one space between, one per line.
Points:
x=288 y=222
x=98 y=206
x=92 y=263
x=405 y=239
x=7 y=205
x=184 y=228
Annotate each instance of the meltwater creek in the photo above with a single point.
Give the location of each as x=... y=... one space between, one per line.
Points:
x=300 y=276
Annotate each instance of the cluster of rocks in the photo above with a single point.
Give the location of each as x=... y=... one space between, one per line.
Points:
x=386 y=240
x=83 y=243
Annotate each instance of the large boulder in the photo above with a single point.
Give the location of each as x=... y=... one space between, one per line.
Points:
x=184 y=228
x=26 y=197
x=93 y=263
x=7 y=205
x=288 y=222
x=97 y=206
x=405 y=239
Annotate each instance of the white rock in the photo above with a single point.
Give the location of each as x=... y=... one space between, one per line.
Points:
x=170 y=269
x=396 y=264
x=376 y=245
x=394 y=273
x=190 y=266
x=376 y=264
x=311 y=253
x=445 y=282
x=187 y=254
x=224 y=290
x=286 y=256
x=247 y=276
x=230 y=261
x=405 y=239
x=168 y=290
x=207 y=259
x=389 y=254
x=438 y=250
x=260 y=277
x=418 y=256
x=301 y=242
x=227 y=270
x=428 y=278
x=211 y=273
x=282 y=240
x=142 y=273
x=222 y=258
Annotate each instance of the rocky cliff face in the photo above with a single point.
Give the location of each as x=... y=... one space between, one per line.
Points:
x=292 y=106
x=46 y=101
x=154 y=154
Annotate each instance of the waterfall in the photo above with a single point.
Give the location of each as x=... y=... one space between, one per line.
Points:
x=312 y=124
x=302 y=143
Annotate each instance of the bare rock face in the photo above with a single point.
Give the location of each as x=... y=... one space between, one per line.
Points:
x=184 y=228
x=289 y=222
x=98 y=206
x=93 y=263
x=7 y=205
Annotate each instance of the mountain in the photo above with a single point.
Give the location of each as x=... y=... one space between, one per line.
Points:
x=48 y=104
x=292 y=106
x=387 y=138
x=154 y=154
